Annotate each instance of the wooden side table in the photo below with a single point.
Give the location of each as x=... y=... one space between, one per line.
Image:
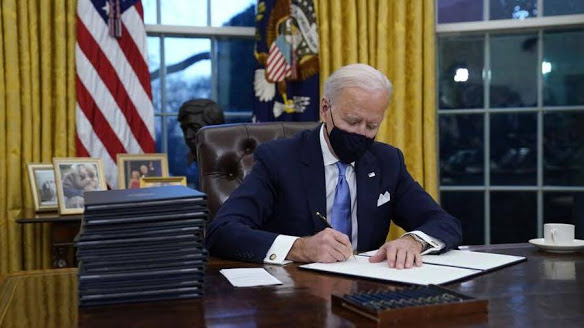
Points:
x=64 y=228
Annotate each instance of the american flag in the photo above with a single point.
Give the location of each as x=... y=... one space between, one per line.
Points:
x=114 y=112
x=277 y=67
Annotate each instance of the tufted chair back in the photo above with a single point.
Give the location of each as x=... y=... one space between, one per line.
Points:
x=225 y=154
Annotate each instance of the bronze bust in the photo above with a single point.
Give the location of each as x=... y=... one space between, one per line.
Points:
x=195 y=114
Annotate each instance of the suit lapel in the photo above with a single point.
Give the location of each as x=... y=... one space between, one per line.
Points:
x=368 y=177
x=313 y=177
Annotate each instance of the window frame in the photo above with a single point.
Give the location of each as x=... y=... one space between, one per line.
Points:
x=486 y=28
x=213 y=33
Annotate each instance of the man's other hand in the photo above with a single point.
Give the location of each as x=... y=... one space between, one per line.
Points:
x=327 y=246
x=400 y=253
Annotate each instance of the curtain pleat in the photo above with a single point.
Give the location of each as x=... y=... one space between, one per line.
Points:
x=37 y=116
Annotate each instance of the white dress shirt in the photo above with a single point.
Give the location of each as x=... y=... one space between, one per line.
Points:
x=283 y=243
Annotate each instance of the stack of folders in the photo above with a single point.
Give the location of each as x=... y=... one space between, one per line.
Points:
x=142 y=245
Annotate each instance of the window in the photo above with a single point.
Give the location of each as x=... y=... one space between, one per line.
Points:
x=511 y=116
x=198 y=49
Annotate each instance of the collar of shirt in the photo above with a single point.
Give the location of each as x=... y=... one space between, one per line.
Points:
x=327 y=155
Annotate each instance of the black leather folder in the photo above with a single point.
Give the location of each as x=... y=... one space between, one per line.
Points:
x=137 y=275
x=140 y=233
x=122 y=198
x=168 y=260
x=147 y=250
x=172 y=251
x=140 y=299
x=178 y=221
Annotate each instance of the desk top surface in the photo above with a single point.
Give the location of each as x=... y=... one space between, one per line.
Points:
x=546 y=290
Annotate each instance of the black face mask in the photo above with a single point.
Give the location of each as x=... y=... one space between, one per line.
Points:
x=348 y=146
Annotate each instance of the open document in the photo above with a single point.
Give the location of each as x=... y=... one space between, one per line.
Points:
x=437 y=269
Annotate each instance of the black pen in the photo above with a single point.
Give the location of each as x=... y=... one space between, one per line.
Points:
x=320 y=216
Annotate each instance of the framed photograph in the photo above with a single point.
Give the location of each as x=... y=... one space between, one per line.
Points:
x=160 y=182
x=133 y=167
x=73 y=177
x=42 y=185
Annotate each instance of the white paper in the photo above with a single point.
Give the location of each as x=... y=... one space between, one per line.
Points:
x=425 y=275
x=471 y=260
x=249 y=277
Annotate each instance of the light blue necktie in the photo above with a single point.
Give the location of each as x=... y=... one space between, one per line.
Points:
x=341 y=213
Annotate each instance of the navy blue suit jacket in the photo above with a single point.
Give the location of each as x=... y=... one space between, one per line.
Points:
x=286 y=187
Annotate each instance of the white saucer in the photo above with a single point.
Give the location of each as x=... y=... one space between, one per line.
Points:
x=577 y=245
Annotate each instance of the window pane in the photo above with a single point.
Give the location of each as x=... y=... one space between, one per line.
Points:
x=238 y=117
x=513 y=149
x=511 y=223
x=564 y=207
x=149 y=11
x=513 y=9
x=461 y=150
x=233 y=13
x=188 y=70
x=514 y=70
x=183 y=12
x=563 y=68
x=562 y=7
x=158 y=133
x=235 y=70
x=469 y=208
x=178 y=151
x=153 y=44
x=454 y=11
x=461 y=61
x=564 y=149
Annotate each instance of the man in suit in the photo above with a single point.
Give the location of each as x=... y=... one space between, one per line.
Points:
x=339 y=171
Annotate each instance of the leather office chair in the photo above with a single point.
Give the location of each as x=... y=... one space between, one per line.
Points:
x=225 y=154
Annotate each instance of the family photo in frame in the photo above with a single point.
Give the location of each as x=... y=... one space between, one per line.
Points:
x=73 y=177
x=131 y=168
x=42 y=184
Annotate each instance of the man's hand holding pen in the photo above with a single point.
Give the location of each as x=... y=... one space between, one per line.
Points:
x=330 y=245
x=327 y=246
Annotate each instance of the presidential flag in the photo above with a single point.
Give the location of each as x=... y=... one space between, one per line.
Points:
x=286 y=82
x=114 y=112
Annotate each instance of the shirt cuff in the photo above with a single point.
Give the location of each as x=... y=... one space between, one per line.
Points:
x=280 y=249
x=434 y=245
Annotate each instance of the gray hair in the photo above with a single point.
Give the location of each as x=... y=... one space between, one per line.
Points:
x=77 y=166
x=355 y=76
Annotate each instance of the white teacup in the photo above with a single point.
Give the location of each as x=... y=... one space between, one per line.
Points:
x=558 y=233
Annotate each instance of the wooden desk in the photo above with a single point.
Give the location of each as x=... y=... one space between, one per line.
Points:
x=64 y=228
x=547 y=290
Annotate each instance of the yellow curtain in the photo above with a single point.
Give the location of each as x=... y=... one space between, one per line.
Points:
x=37 y=115
x=397 y=38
